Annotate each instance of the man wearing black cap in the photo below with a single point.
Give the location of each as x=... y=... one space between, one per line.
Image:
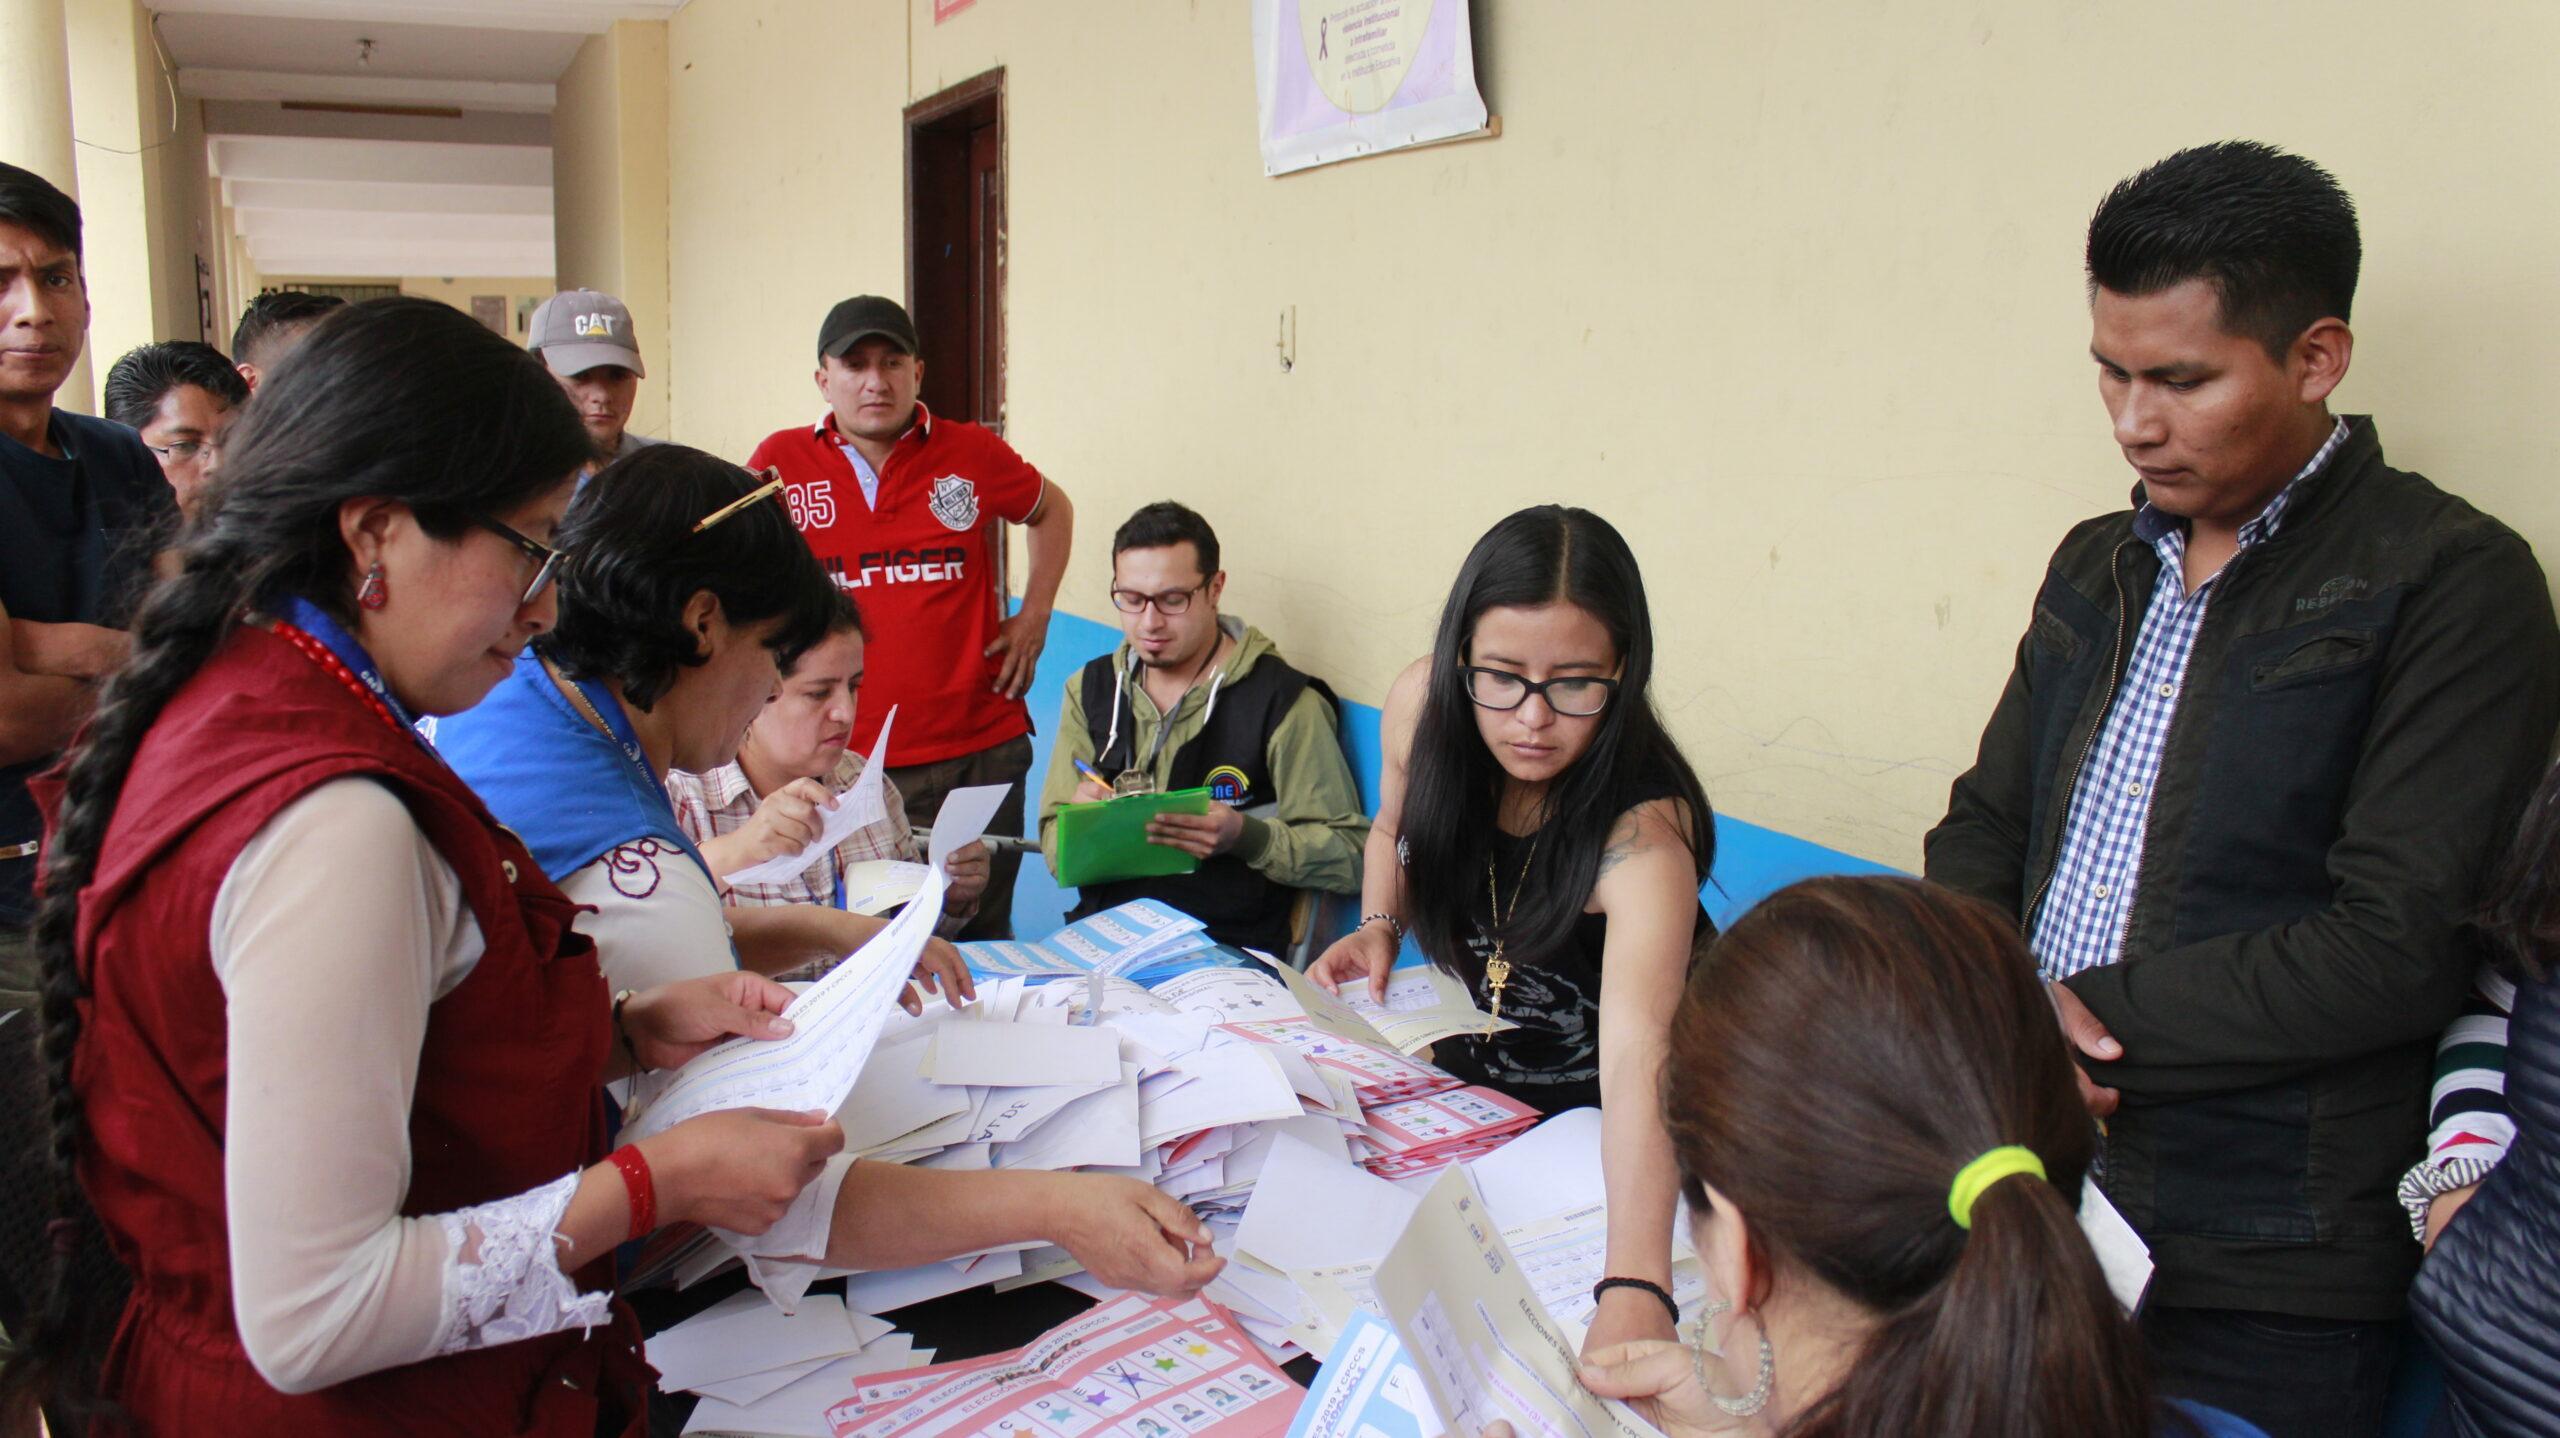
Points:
x=901 y=507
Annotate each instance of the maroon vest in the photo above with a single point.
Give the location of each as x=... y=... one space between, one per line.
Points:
x=507 y=1099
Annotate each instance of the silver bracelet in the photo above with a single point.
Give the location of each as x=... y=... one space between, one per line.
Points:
x=1395 y=926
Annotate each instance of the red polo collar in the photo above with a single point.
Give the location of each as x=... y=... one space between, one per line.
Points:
x=825 y=429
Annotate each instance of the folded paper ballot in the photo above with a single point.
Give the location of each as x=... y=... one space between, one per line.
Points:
x=1423 y=1007
x=863 y=803
x=1368 y=1388
x=875 y=886
x=834 y=1025
x=1486 y=1348
x=1143 y=1368
x=1121 y=940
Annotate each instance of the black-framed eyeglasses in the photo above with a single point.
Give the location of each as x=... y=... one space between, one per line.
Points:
x=1576 y=696
x=1172 y=601
x=546 y=559
x=183 y=450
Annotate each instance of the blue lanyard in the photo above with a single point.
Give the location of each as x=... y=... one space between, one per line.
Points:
x=618 y=725
x=321 y=625
x=839 y=886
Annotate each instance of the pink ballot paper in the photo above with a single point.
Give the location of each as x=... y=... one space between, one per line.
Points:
x=1129 y=1368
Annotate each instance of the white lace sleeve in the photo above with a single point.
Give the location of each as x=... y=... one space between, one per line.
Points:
x=502 y=1278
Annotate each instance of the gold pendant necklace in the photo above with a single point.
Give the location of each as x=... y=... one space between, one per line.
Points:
x=1497 y=969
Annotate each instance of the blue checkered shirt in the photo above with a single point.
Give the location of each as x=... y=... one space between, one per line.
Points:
x=2080 y=923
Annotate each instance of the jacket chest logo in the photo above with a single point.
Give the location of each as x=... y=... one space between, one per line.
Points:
x=2337 y=591
x=1227 y=785
x=954 y=501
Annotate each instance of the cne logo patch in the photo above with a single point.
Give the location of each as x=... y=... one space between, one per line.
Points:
x=1227 y=785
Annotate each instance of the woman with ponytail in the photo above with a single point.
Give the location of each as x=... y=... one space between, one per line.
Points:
x=324 y=1053
x=1540 y=837
x=1882 y=1147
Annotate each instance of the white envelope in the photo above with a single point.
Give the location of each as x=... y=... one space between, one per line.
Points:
x=1099 y=1130
x=798 y=1409
x=963 y=817
x=721 y=1345
x=1023 y=1055
x=893 y=1098
x=1311 y=1209
x=1222 y=1084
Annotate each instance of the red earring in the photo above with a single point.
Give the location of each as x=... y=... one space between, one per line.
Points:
x=373 y=591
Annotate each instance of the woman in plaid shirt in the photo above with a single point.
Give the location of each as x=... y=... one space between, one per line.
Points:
x=796 y=756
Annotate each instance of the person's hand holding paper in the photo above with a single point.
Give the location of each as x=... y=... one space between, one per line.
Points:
x=668 y=1025
x=786 y=821
x=863 y=803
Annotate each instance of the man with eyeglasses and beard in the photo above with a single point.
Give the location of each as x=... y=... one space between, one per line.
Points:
x=1195 y=700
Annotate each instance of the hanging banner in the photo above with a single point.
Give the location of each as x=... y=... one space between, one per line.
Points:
x=1344 y=78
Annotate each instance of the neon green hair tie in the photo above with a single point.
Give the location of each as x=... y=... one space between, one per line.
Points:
x=2003 y=1162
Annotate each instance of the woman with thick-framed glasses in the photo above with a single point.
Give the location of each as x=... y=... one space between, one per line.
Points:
x=1540 y=837
x=322 y=1047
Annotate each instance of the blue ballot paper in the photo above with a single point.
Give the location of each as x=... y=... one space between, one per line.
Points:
x=1369 y=1388
x=1138 y=935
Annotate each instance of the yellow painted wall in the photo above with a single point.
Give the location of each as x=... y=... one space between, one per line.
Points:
x=1792 y=293
x=126 y=121
x=458 y=293
x=182 y=233
x=609 y=189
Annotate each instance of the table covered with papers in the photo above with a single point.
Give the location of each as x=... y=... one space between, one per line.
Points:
x=1288 y=1119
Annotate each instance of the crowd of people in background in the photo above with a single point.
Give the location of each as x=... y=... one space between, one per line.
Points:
x=383 y=721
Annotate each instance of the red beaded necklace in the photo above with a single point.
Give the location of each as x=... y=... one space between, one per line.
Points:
x=336 y=668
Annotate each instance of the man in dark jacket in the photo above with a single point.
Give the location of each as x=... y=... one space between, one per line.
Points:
x=2264 y=735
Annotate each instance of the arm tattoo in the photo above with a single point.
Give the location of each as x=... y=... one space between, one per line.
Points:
x=1625 y=842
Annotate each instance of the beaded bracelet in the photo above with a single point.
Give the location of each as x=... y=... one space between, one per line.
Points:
x=1395 y=926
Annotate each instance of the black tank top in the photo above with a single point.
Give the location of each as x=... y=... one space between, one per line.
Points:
x=1552 y=1060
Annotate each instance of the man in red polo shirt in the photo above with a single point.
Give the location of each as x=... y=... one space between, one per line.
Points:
x=901 y=507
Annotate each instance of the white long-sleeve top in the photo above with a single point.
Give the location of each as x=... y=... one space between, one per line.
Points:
x=335 y=932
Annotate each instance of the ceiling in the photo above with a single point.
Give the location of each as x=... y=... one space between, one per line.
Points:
x=353 y=192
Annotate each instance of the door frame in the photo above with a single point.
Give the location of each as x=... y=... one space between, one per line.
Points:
x=923 y=114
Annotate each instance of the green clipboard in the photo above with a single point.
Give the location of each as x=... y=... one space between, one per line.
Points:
x=1102 y=842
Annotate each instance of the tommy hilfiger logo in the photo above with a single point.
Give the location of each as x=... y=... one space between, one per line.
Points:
x=900 y=566
x=954 y=501
x=2336 y=592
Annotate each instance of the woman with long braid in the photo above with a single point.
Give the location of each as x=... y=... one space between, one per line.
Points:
x=324 y=1052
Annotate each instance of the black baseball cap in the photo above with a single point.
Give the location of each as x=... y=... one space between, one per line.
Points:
x=861 y=317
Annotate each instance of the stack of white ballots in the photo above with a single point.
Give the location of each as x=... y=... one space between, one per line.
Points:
x=759 y=1371
x=1181 y=1085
